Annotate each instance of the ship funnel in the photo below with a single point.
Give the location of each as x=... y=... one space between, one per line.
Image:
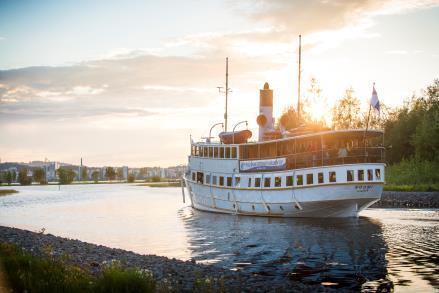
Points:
x=265 y=118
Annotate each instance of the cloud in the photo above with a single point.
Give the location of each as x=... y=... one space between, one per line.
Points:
x=112 y=85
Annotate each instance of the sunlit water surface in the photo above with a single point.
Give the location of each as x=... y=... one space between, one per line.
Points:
x=382 y=247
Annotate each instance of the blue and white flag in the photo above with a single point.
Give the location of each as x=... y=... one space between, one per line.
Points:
x=374 y=102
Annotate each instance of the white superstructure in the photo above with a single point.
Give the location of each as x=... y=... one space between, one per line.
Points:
x=314 y=174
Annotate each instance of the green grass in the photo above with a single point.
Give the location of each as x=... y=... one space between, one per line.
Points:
x=7 y=191
x=418 y=187
x=412 y=175
x=161 y=184
x=27 y=273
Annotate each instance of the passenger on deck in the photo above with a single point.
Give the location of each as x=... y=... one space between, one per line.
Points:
x=342 y=152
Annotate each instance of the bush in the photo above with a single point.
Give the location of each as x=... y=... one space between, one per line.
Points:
x=413 y=172
x=131 y=178
x=28 y=273
x=116 y=279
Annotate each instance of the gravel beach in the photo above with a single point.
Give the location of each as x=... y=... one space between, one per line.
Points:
x=172 y=274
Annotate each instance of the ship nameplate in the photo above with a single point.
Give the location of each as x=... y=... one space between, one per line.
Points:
x=263 y=165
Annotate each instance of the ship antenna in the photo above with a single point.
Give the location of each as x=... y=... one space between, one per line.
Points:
x=298 y=87
x=226 y=91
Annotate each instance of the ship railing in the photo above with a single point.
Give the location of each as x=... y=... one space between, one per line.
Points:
x=329 y=157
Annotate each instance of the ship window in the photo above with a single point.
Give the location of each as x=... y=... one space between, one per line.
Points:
x=221 y=181
x=229 y=181
x=299 y=179
x=205 y=151
x=233 y=152
x=257 y=182
x=200 y=177
x=215 y=152
x=332 y=177
x=320 y=177
x=377 y=174
x=207 y=179
x=237 y=181
x=370 y=174
x=309 y=178
x=221 y=153
x=253 y=207
x=213 y=180
x=277 y=181
x=289 y=180
x=350 y=175
x=210 y=152
x=193 y=176
x=267 y=182
x=227 y=154
x=250 y=182
x=360 y=175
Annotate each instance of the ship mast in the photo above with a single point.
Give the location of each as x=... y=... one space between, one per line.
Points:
x=298 y=88
x=226 y=92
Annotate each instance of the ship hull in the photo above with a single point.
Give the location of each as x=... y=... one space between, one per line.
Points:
x=331 y=200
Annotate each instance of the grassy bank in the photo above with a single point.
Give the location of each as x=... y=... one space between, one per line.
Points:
x=27 y=273
x=161 y=184
x=7 y=191
x=412 y=175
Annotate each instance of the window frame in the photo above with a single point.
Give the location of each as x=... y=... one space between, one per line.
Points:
x=267 y=180
x=321 y=176
x=360 y=175
x=369 y=174
x=308 y=176
x=352 y=175
x=299 y=182
x=289 y=180
x=332 y=176
x=258 y=182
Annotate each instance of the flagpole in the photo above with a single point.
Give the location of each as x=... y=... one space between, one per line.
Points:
x=367 y=126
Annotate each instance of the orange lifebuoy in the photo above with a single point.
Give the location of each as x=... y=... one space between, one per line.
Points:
x=261 y=120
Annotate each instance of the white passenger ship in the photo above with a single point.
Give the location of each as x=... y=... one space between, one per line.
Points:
x=298 y=173
x=334 y=173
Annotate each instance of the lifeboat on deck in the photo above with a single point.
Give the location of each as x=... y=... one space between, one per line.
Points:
x=236 y=137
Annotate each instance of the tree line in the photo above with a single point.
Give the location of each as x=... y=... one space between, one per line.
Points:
x=64 y=175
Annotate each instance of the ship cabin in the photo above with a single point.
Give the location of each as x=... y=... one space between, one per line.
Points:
x=326 y=148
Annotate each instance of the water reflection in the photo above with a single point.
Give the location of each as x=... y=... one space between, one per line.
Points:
x=342 y=253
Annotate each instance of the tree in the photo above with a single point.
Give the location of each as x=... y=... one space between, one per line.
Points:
x=23 y=179
x=65 y=176
x=95 y=176
x=8 y=177
x=110 y=173
x=119 y=174
x=412 y=131
x=39 y=175
x=346 y=113
x=84 y=174
x=14 y=175
x=131 y=178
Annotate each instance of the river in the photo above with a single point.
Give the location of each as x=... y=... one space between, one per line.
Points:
x=383 y=247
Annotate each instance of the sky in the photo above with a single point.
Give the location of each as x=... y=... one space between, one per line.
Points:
x=129 y=82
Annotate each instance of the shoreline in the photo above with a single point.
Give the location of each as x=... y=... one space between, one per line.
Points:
x=172 y=273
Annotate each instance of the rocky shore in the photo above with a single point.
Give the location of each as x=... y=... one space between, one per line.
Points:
x=170 y=274
x=408 y=199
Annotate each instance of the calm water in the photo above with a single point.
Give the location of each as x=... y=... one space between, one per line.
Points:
x=382 y=246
